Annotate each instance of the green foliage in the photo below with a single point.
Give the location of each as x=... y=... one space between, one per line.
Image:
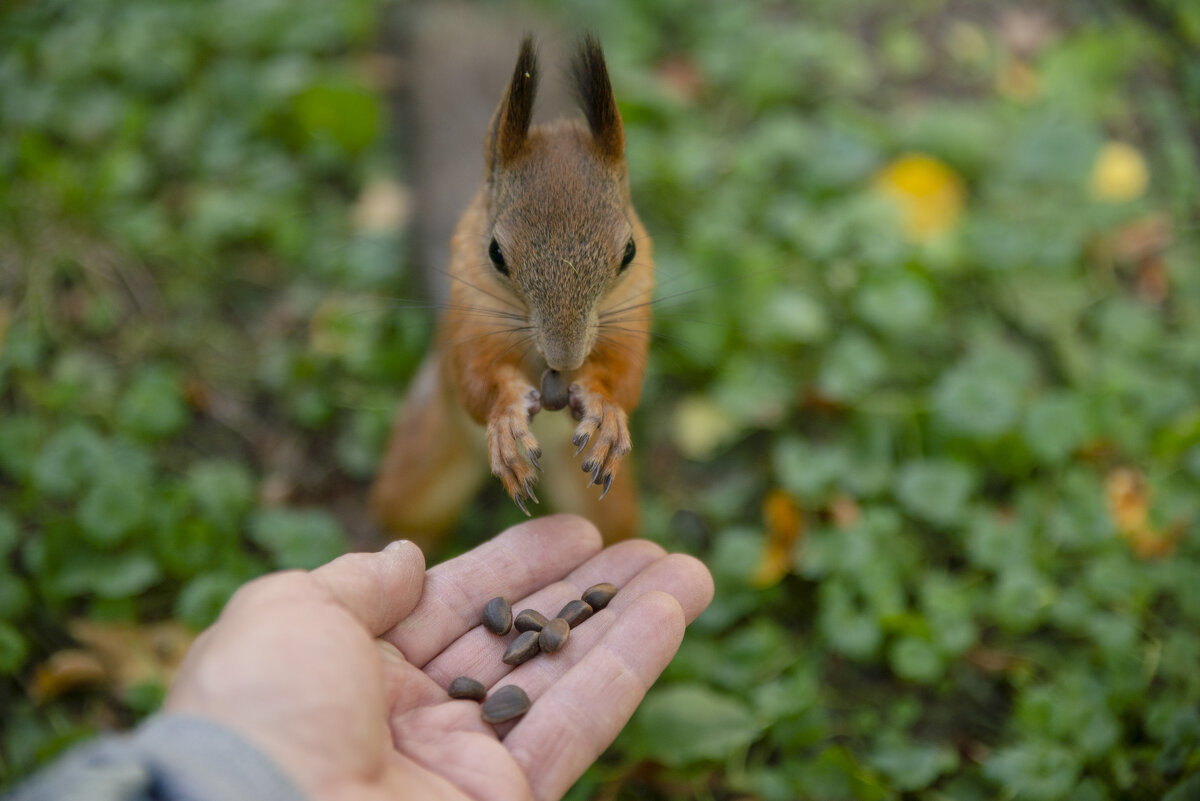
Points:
x=990 y=431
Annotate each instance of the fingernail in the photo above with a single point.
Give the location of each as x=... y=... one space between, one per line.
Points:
x=396 y=545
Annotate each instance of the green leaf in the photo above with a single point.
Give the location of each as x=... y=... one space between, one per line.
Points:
x=1055 y=425
x=792 y=316
x=898 y=305
x=203 y=598
x=71 y=457
x=112 y=508
x=852 y=367
x=1036 y=771
x=915 y=659
x=687 y=723
x=806 y=470
x=153 y=404
x=15 y=598
x=912 y=766
x=13 y=650
x=298 y=538
x=936 y=490
x=223 y=489
x=126 y=575
x=977 y=403
x=347 y=115
x=9 y=534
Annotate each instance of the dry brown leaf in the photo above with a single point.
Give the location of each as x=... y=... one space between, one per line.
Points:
x=134 y=654
x=64 y=671
x=1129 y=506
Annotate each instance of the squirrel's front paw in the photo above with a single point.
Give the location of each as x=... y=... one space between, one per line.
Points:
x=604 y=424
x=508 y=434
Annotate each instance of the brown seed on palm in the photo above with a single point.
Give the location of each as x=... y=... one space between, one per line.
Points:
x=497 y=616
x=529 y=620
x=509 y=702
x=575 y=613
x=554 y=635
x=467 y=687
x=598 y=595
x=522 y=649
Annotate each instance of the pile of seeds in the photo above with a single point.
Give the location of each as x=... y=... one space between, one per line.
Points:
x=537 y=634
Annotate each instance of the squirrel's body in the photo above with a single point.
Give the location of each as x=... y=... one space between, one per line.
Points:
x=549 y=268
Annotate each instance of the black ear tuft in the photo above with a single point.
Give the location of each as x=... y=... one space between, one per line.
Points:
x=594 y=92
x=510 y=124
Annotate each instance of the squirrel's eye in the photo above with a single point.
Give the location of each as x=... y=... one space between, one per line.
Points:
x=630 y=252
x=497 y=257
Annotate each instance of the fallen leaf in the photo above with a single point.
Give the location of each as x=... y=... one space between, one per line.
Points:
x=1016 y=80
x=784 y=522
x=134 y=654
x=845 y=511
x=700 y=427
x=1129 y=506
x=383 y=207
x=65 y=671
x=929 y=195
x=1119 y=174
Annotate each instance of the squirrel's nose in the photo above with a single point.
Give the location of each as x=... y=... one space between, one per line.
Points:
x=563 y=356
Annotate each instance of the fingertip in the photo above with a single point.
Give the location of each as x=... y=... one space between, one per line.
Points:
x=406 y=551
x=566 y=526
x=699 y=579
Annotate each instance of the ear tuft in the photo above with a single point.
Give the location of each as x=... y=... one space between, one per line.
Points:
x=595 y=95
x=510 y=123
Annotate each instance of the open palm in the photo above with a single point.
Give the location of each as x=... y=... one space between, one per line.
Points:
x=340 y=674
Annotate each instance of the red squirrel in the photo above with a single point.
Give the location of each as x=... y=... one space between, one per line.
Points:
x=550 y=270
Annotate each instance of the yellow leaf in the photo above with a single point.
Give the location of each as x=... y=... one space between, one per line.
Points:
x=700 y=427
x=1129 y=506
x=929 y=195
x=785 y=524
x=1118 y=174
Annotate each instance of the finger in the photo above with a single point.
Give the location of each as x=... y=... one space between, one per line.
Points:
x=575 y=720
x=379 y=589
x=682 y=577
x=478 y=652
x=514 y=564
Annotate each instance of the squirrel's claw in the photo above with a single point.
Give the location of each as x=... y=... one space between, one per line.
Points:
x=513 y=451
x=605 y=425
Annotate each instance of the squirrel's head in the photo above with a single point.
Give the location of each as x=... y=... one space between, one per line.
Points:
x=561 y=225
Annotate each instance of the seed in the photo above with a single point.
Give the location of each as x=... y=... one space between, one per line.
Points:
x=522 y=649
x=466 y=687
x=554 y=635
x=598 y=595
x=509 y=702
x=529 y=620
x=497 y=616
x=554 y=391
x=575 y=613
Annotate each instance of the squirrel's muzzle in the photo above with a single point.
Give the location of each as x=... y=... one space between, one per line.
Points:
x=564 y=342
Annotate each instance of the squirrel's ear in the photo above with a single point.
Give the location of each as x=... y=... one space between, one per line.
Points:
x=510 y=122
x=595 y=95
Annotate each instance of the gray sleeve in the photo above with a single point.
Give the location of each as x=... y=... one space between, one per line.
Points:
x=168 y=758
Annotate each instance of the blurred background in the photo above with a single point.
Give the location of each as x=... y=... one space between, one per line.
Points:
x=924 y=393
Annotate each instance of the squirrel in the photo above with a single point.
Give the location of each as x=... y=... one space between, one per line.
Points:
x=550 y=274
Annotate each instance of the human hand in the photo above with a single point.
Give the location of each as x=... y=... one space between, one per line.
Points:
x=340 y=674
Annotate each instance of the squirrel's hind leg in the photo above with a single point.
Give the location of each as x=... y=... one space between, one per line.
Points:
x=436 y=460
